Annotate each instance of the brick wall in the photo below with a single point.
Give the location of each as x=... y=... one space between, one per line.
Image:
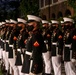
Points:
x=62 y=7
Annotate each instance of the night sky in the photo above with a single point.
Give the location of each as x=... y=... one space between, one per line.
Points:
x=9 y=5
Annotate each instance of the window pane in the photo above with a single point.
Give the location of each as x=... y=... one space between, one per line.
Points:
x=50 y=1
x=46 y=2
x=55 y=1
x=42 y=3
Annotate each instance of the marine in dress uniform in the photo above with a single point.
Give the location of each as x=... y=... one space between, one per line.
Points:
x=56 y=47
x=3 y=33
x=7 y=45
x=69 y=47
x=47 y=40
x=21 y=44
x=0 y=42
x=12 y=45
x=74 y=47
x=35 y=46
x=63 y=31
x=26 y=62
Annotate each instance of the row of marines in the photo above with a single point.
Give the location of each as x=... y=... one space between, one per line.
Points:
x=33 y=46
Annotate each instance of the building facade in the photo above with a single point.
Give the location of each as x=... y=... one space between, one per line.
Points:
x=54 y=9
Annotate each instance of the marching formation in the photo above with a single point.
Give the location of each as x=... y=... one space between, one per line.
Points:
x=37 y=47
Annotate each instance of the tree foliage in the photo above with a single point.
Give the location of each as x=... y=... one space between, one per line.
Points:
x=72 y=3
x=9 y=9
x=29 y=7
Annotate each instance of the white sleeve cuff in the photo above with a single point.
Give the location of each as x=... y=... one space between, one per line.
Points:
x=28 y=53
x=73 y=60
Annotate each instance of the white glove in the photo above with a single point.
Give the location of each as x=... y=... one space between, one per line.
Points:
x=58 y=55
x=73 y=60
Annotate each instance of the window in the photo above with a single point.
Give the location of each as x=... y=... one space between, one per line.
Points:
x=59 y=14
x=67 y=12
x=53 y=16
x=54 y=1
x=41 y=3
x=50 y=1
x=62 y=0
x=47 y=2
